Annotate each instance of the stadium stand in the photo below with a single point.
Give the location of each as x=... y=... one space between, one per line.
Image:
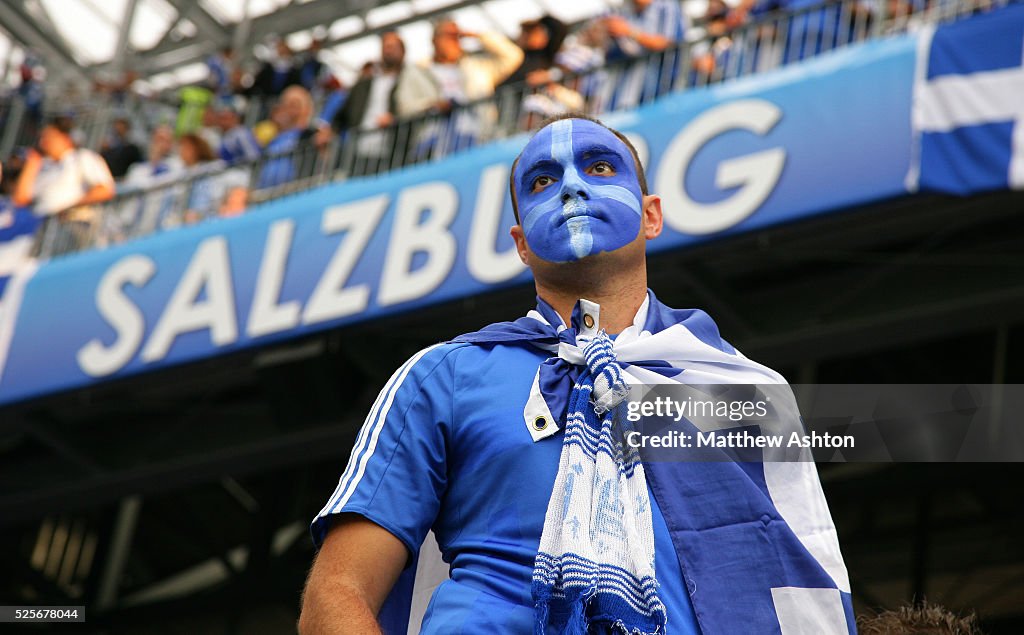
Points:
x=175 y=397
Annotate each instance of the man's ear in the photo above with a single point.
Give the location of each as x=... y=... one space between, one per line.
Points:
x=652 y=218
x=520 y=239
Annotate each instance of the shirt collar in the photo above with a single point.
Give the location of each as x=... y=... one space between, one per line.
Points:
x=585 y=308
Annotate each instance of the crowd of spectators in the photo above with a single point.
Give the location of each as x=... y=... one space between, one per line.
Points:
x=238 y=133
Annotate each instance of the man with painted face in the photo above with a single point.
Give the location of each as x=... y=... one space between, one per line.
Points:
x=498 y=449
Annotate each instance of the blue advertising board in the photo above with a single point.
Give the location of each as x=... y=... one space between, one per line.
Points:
x=776 y=148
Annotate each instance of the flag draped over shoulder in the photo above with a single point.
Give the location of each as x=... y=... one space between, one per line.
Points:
x=755 y=540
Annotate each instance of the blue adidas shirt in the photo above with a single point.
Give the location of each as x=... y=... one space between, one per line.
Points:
x=445 y=447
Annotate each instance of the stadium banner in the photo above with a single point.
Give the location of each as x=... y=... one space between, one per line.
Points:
x=805 y=140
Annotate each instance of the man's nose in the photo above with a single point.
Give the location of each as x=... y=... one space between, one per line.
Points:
x=574 y=187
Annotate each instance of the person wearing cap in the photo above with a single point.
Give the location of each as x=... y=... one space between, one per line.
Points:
x=64 y=182
x=505 y=448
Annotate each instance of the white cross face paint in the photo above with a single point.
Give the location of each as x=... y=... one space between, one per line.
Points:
x=578 y=191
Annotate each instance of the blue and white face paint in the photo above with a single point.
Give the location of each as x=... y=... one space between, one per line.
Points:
x=578 y=192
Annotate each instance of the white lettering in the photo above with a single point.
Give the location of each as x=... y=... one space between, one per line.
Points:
x=330 y=299
x=120 y=312
x=411 y=234
x=210 y=268
x=483 y=262
x=755 y=175
x=266 y=315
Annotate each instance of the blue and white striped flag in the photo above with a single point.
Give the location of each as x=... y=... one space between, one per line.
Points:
x=968 y=109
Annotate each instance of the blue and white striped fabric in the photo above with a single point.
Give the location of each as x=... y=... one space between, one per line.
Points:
x=755 y=542
x=968 y=118
x=595 y=562
x=239 y=145
x=17 y=233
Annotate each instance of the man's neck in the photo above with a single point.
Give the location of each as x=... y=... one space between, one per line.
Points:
x=619 y=298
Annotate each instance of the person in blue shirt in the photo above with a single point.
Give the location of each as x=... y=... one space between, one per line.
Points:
x=464 y=448
x=290 y=154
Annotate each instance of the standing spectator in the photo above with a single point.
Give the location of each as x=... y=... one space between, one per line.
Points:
x=286 y=161
x=464 y=78
x=711 y=55
x=638 y=28
x=540 y=40
x=31 y=88
x=277 y=72
x=194 y=101
x=238 y=144
x=64 y=182
x=390 y=92
x=309 y=68
x=119 y=151
x=220 y=74
x=337 y=95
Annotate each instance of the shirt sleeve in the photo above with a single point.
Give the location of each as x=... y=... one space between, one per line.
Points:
x=94 y=170
x=397 y=471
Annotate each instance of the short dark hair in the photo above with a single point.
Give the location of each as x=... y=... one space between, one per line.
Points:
x=394 y=34
x=63 y=123
x=927 y=619
x=640 y=175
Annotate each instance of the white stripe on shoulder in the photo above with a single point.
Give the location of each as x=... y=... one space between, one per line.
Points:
x=369 y=442
x=535 y=314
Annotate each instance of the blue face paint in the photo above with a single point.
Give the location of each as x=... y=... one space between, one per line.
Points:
x=578 y=192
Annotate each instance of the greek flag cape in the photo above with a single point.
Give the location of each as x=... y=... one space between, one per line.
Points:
x=755 y=540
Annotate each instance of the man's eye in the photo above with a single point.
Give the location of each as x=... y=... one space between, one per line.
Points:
x=602 y=168
x=541 y=182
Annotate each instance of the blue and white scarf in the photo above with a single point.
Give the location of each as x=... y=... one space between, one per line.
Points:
x=596 y=556
x=755 y=542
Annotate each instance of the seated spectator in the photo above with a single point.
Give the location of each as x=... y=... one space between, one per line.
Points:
x=207 y=181
x=391 y=91
x=583 y=54
x=143 y=215
x=640 y=27
x=64 y=182
x=286 y=158
x=238 y=144
x=467 y=77
x=119 y=150
x=159 y=166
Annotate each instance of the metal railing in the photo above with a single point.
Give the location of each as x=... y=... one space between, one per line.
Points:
x=769 y=42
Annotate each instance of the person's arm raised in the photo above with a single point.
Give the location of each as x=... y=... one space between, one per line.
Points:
x=357 y=565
